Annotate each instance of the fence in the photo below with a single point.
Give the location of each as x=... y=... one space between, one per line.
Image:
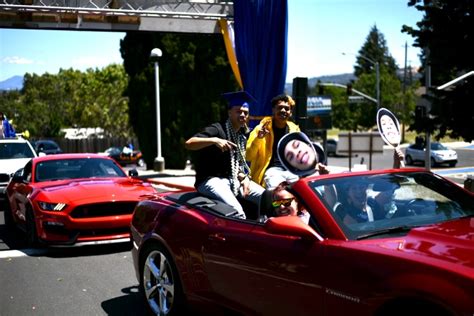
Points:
x=92 y=145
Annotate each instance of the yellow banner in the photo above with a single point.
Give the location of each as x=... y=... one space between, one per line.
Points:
x=229 y=47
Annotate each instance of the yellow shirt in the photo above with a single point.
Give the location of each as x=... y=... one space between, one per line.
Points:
x=259 y=150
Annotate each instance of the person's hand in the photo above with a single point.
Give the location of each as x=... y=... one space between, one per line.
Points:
x=263 y=131
x=398 y=158
x=322 y=169
x=224 y=144
x=245 y=186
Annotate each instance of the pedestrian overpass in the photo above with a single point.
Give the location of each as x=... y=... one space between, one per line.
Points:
x=182 y=16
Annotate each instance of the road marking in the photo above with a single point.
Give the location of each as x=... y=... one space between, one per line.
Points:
x=21 y=253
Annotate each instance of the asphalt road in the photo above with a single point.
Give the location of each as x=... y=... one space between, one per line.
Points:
x=97 y=280
x=384 y=160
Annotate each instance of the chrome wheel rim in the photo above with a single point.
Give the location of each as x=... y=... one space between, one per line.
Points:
x=158 y=283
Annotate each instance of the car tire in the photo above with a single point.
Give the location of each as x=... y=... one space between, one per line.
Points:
x=452 y=164
x=409 y=160
x=30 y=229
x=162 y=290
x=433 y=162
x=7 y=214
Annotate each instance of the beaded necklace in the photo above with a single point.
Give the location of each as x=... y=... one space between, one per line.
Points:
x=237 y=156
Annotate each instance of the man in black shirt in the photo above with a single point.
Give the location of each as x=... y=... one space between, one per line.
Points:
x=221 y=170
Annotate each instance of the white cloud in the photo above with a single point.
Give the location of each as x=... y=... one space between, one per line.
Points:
x=17 y=60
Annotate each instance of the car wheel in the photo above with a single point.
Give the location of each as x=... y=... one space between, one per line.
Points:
x=31 y=232
x=452 y=164
x=409 y=160
x=7 y=213
x=433 y=162
x=160 y=282
x=141 y=162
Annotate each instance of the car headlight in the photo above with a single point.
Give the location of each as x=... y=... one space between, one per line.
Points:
x=52 y=206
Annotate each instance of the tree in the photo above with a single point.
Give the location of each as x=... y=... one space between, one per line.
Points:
x=392 y=98
x=194 y=72
x=72 y=98
x=444 y=33
x=374 y=48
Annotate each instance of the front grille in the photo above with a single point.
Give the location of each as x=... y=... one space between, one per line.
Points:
x=103 y=209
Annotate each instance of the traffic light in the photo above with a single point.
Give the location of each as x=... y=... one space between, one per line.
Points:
x=423 y=121
x=349 y=89
x=420 y=113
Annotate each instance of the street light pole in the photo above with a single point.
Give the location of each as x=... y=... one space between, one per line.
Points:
x=159 y=163
x=377 y=76
x=377 y=69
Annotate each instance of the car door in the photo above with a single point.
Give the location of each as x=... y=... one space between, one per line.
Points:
x=251 y=270
x=418 y=153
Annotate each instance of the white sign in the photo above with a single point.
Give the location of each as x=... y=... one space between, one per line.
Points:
x=359 y=142
x=317 y=105
x=388 y=126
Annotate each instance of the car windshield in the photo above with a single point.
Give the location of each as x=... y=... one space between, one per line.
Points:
x=15 y=151
x=77 y=169
x=438 y=146
x=391 y=202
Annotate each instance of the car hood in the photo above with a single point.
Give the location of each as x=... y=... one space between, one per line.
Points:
x=10 y=166
x=450 y=244
x=96 y=190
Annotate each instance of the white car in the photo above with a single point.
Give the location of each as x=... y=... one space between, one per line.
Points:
x=440 y=154
x=14 y=154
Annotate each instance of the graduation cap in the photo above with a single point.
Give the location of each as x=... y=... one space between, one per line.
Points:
x=239 y=98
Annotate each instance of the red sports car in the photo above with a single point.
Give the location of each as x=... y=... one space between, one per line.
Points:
x=414 y=257
x=74 y=199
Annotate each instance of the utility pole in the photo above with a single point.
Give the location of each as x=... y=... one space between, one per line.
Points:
x=404 y=92
x=428 y=136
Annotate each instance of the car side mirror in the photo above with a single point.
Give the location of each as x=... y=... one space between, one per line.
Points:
x=133 y=172
x=292 y=226
x=18 y=176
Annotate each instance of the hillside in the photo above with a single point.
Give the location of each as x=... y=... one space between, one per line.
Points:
x=341 y=79
x=13 y=83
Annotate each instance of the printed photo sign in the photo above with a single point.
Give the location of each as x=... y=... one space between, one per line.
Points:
x=389 y=128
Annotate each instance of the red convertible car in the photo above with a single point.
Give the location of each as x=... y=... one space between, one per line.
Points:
x=417 y=258
x=74 y=199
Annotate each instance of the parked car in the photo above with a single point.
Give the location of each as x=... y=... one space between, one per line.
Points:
x=125 y=158
x=440 y=154
x=48 y=147
x=14 y=154
x=74 y=199
x=331 y=147
x=417 y=260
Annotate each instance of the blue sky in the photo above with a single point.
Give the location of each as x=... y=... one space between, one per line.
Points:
x=319 y=32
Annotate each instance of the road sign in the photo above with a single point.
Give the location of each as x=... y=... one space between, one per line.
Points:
x=356 y=99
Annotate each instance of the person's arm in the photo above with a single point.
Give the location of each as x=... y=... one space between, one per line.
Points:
x=197 y=143
x=254 y=144
x=398 y=157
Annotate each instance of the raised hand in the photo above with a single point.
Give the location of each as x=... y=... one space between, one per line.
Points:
x=263 y=131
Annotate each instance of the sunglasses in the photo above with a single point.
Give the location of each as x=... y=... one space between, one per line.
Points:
x=284 y=202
